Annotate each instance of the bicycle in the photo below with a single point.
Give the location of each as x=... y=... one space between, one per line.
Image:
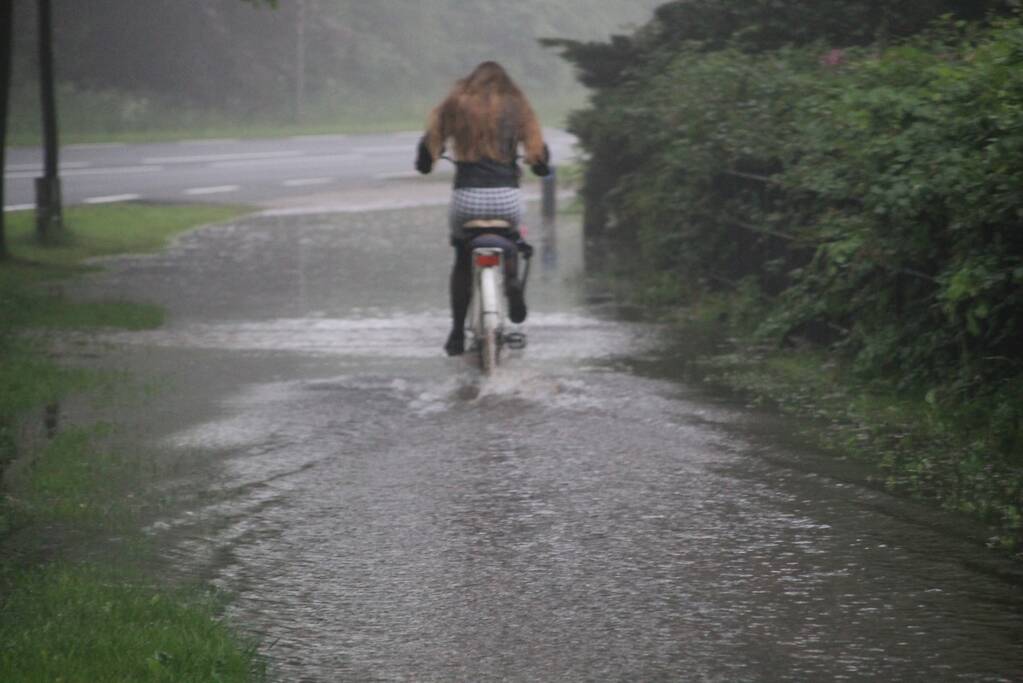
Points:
x=488 y=301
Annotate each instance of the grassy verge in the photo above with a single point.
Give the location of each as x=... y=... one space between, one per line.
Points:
x=916 y=446
x=105 y=230
x=66 y=488
x=86 y=624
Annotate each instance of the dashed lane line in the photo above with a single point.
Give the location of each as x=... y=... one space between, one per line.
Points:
x=38 y=168
x=306 y=182
x=399 y=175
x=97 y=145
x=321 y=138
x=109 y=170
x=236 y=156
x=216 y=189
x=210 y=141
x=386 y=149
x=294 y=161
x=111 y=199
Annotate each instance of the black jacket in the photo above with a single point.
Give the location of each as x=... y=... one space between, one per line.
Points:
x=483 y=173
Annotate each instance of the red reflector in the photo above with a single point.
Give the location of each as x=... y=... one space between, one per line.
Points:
x=487 y=260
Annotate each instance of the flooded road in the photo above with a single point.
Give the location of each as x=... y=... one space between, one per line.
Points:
x=379 y=513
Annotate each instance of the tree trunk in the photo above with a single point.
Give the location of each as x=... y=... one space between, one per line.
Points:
x=49 y=220
x=6 y=36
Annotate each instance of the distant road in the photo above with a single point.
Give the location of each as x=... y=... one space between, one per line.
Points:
x=259 y=172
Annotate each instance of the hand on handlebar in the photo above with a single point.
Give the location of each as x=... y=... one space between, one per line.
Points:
x=541 y=167
x=424 y=160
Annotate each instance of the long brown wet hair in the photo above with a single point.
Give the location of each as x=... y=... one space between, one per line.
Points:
x=487 y=116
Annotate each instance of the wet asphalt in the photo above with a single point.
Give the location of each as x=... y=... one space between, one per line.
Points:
x=381 y=513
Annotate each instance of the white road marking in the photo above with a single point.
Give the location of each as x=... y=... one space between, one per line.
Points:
x=403 y=175
x=18 y=207
x=97 y=145
x=320 y=138
x=218 y=189
x=300 y=161
x=114 y=170
x=304 y=182
x=210 y=141
x=206 y=158
x=109 y=170
x=387 y=149
x=38 y=168
x=110 y=199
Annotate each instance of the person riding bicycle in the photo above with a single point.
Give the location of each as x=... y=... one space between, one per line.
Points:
x=488 y=117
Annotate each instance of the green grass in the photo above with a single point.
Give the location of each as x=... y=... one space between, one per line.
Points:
x=34 y=300
x=81 y=624
x=26 y=303
x=60 y=313
x=77 y=481
x=29 y=380
x=105 y=230
x=34 y=297
x=31 y=294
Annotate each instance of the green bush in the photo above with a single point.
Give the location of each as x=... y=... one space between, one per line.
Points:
x=866 y=195
x=874 y=195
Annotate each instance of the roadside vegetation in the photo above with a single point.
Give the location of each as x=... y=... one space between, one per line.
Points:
x=86 y=625
x=844 y=206
x=65 y=615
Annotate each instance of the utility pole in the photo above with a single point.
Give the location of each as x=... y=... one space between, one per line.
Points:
x=49 y=215
x=549 y=214
x=300 y=63
x=6 y=34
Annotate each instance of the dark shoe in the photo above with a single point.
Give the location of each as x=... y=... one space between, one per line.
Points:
x=516 y=304
x=455 y=345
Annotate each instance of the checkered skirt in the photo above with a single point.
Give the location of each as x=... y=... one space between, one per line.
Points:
x=469 y=203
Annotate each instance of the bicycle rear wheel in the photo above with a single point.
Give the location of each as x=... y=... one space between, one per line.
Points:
x=489 y=351
x=489 y=312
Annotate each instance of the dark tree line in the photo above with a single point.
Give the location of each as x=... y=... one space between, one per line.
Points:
x=759 y=26
x=242 y=56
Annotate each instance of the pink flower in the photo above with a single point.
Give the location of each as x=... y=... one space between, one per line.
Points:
x=835 y=57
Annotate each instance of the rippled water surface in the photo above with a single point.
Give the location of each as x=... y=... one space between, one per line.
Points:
x=381 y=514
